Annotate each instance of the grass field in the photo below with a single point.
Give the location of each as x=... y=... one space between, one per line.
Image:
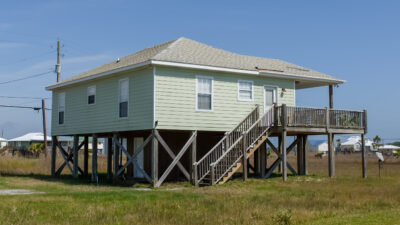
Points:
x=313 y=199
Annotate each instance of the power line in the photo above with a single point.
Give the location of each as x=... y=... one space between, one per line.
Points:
x=23 y=107
x=22 y=97
x=25 y=78
x=28 y=58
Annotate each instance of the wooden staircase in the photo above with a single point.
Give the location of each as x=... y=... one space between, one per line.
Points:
x=249 y=153
x=226 y=157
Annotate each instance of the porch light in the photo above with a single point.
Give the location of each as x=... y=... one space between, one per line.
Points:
x=283 y=89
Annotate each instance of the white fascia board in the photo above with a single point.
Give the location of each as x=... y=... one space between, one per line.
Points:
x=201 y=67
x=301 y=78
x=99 y=75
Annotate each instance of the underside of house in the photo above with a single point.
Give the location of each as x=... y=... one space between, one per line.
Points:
x=195 y=119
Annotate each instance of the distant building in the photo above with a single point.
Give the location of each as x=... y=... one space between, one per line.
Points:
x=3 y=142
x=318 y=146
x=354 y=143
x=389 y=149
x=23 y=142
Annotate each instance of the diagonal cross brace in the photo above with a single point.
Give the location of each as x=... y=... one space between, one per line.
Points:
x=133 y=158
x=276 y=163
x=69 y=159
x=176 y=159
x=169 y=151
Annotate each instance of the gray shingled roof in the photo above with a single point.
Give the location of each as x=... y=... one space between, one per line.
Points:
x=183 y=50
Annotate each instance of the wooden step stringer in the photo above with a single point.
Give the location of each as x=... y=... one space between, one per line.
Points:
x=250 y=152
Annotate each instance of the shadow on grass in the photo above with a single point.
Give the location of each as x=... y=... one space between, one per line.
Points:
x=82 y=180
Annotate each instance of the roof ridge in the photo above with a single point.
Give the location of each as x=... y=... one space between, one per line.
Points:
x=170 y=45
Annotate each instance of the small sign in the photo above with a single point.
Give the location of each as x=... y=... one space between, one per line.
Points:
x=380 y=156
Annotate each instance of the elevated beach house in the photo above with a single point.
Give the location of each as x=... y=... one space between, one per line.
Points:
x=183 y=109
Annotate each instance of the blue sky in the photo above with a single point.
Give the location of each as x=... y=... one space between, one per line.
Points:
x=357 y=41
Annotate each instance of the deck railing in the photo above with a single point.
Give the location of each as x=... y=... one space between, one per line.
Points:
x=202 y=167
x=323 y=117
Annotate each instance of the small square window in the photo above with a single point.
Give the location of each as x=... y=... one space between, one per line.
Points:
x=245 y=90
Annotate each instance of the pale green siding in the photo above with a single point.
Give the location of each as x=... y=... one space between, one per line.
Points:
x=81 y=118
x=176 y=96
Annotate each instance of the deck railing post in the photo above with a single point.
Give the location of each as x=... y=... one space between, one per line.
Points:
x=244 y=150
x=365 y=122
x=276 y=115
x=212 y=173
x=327 y=119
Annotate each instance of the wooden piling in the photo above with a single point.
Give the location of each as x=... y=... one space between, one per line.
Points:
x=109 y=158
x=94 y=159
x=244 y=160
x=154 y=161
x=86 y=156
x=283 y=144
x=75 y=154
x=305 y=153
x=193 y=159
x=115 y=155
x=53 y=155
x=331 y=155
x=363 y=155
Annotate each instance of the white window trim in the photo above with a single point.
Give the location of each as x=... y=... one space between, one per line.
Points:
x=118 y=96
x=95 y=95
x=271 y=87
x=252 y=91
x=212 y=93
x=58 y=108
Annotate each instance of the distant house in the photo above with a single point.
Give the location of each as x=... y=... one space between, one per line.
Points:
x=354 y=143
x=23 y=142
x=3 y=142
x=318 y=146
x=389 y=149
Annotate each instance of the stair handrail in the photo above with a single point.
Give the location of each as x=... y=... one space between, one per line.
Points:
x=202 y=166
x=252 y=135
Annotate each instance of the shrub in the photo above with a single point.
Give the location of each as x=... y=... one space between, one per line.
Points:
x=319 y=155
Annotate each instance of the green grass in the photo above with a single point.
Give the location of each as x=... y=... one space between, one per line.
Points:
x=313 y=199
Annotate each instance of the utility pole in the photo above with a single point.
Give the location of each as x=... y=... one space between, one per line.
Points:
x=58 y=65
x=44 y=128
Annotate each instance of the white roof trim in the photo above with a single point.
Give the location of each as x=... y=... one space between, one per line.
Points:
x=201 y=67
x=54 y=86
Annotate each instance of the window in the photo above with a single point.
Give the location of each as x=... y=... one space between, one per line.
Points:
x=245 y=90
x=61 y=107
x=123 y=98
x=204 y=93
x=91 y=95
